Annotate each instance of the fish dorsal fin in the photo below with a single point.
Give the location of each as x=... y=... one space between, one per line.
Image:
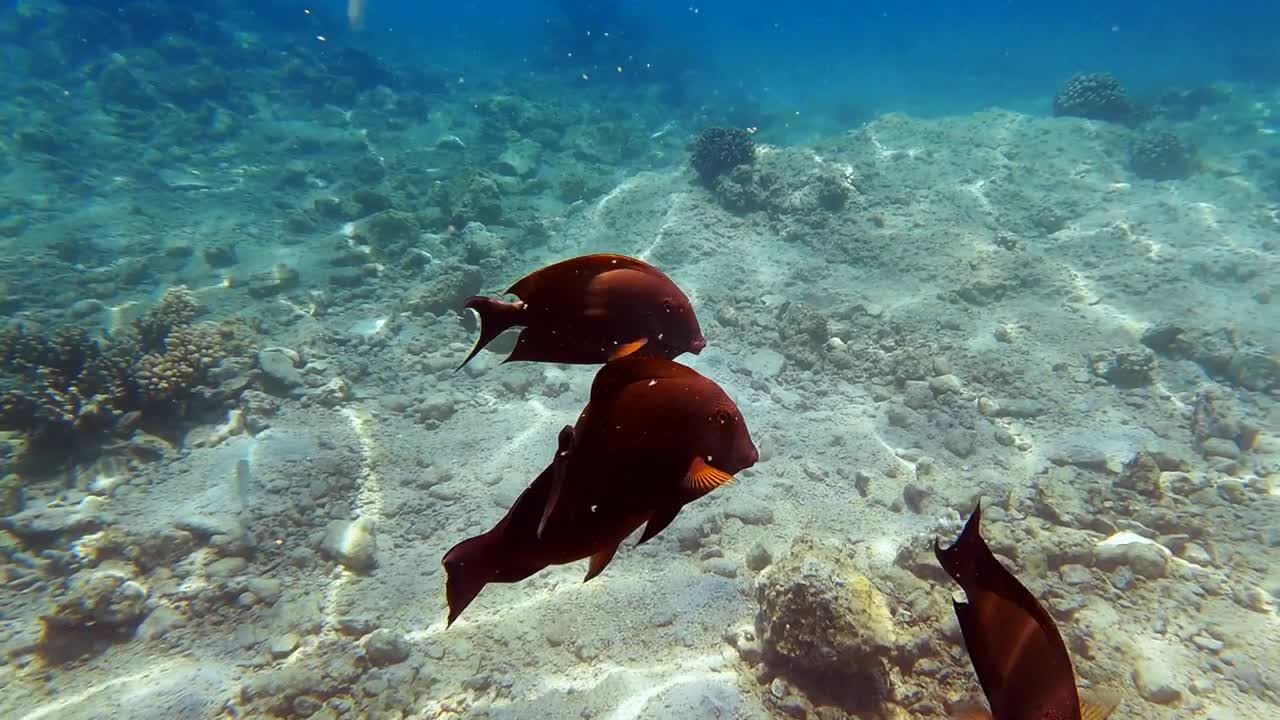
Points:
x=1096 y=705
x=626 y=349
x=558 y=465
x=577 y=272
x=703 y=478
x=599 y=562
x=617 y=375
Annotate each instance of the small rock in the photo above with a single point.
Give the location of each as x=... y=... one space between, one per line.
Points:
x=82 y=309
x=280 y=371
x=268 y=590
x=1208 y=643
x=385 y=647
x=917 y=394
x=207 y=526
x=1073 y=574
x=284 y=645
x=1220 y=447
x=759 y=557
x=1010 y=407
x=520 y=159
x=355 y=625
x=352 y=543
x=1155 y=681
x=333 y=393
x=159 y=623
x=1146 y=558
x=914 y=495
x=724 y=567
x=944 y=384
x=226 y=567
x=279 y=279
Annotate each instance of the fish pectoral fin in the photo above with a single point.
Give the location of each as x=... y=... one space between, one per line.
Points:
x=599 y=562
x=626 y=349
x=703 y=478
x=1098 y=705
x=658 y=522
x=558 y=464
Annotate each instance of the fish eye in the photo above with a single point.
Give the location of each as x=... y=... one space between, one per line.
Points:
x=666 y=305
x=724 y=417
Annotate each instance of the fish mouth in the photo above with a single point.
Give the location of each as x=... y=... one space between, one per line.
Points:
x=696 y=345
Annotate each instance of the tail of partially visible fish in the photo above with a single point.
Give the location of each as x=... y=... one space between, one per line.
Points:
x=468 y=567
x=496 y=317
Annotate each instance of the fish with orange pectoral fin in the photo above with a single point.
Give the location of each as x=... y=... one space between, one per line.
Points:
x=1014 y=645
x=654 y=434
x=591 y=309
x=654 y=437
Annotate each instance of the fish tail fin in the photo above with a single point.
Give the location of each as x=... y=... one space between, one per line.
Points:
x=496 y=317
x=468 y=567
x=968 y=553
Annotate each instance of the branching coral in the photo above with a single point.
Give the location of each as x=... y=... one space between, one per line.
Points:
x=177 y=309
x=189 y=354
x=65 y=389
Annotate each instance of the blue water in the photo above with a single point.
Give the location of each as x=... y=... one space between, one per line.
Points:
x=806 y=68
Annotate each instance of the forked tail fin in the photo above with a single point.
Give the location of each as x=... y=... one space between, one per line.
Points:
x=496 y=317
x=468 y=567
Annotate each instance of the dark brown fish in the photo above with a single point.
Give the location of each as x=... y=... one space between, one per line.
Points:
x=589 y=310
x=655 y=436
x=1014 y=645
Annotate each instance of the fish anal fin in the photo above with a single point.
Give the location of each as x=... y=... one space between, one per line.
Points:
x=703 y=478
x=626 y=349
x=599 y=562
x=1098 y=705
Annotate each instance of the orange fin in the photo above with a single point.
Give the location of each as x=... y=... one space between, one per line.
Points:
x=1097 y=705
x=626 y=349
x=599 y=562
x=702 y=478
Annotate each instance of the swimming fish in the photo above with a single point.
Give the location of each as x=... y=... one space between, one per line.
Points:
x=591 y=309
x=1014 y=645
x=672 y=433
x=654 y=437
x=355 y=14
